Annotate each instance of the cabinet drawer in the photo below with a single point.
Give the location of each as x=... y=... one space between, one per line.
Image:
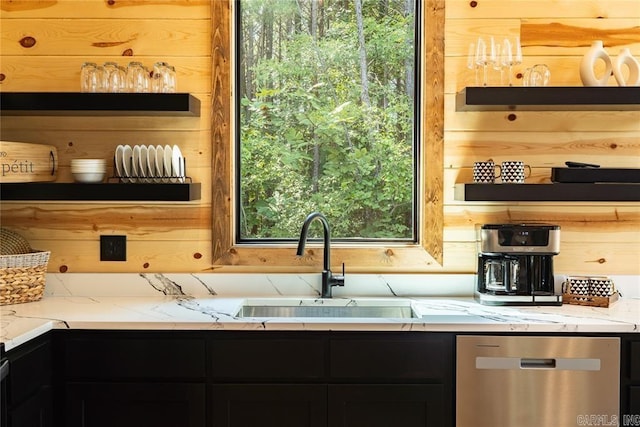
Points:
x=135 y=405
x=98 y=356
x=374 y=405
x=269 y=405
x=397 y=357
x=267 y=356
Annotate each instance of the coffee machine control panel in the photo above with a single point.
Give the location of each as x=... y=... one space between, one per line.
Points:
x=519 y=239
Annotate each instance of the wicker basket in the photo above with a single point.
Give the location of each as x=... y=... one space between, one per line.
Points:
x=22 y=275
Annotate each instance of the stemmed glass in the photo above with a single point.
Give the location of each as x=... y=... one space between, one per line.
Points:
x=471 y=61
x=485 y=56
x=511 y=55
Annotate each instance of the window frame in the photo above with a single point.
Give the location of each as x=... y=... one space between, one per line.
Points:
x=424 y=255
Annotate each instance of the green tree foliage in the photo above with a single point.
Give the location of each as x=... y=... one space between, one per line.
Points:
x=307 y=140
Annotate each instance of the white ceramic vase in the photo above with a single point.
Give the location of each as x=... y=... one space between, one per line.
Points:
x=626 y=59
x=587 y=65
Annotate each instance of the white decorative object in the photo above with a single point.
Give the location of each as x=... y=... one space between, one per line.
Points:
x=626 y=59
x=587 y=66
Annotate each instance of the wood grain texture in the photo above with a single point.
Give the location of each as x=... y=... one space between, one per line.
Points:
x=433 y=128
x=221 y=139
x=88 y=37
x=117 y=9
x=492 y=9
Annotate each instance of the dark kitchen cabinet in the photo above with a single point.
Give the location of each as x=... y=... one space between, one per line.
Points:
x=132 y=378
x=347 y=379
x=391 y=379
x=249 y=378
x=29 y=385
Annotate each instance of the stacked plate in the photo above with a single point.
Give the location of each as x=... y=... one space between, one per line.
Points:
x=149 y=163
x=88 y=170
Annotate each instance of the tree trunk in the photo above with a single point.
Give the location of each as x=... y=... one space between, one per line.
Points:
x=409 y=8
x=364 y=94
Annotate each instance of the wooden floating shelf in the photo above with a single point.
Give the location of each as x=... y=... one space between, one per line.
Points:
x=174 y=192
x=557 y=192
x=98 y=104
x=548 y=98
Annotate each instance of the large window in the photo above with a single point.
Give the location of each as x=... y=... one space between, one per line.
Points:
x=326 y=103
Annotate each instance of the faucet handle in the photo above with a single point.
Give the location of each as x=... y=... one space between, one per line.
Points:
x=339 y=280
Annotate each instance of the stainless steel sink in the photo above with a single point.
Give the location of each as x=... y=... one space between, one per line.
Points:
x=327 y=308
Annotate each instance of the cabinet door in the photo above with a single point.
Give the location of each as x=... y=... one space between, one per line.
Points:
x=634 y=402
x=36 y=411
x=269 y=405
x=135 y=405
x=377 y=405
x=30 y=369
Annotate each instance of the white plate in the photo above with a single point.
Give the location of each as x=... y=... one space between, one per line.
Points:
x=151 y=162
x=143 y=165
x=117 y=160
x=135 y=172
x=127 y=156
x=177 y=161
x=168 y=154
x=160 y=161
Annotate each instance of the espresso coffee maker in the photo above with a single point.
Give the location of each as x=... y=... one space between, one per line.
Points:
x=515 y=264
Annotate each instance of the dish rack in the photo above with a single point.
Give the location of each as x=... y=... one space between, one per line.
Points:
x=178 y=176
x=22 y=270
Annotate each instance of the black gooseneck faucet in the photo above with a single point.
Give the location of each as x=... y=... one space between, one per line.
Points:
x=329 y=280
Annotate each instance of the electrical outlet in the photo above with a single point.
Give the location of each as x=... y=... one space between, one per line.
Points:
x=113 y=248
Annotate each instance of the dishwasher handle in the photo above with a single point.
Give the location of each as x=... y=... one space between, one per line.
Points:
x=537 y=363
x=520 y=363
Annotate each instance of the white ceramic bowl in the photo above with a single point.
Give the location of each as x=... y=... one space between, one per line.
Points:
x=88 y=177
x=82 y=166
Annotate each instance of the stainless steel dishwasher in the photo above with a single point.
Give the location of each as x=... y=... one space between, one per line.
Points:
x=514 y=381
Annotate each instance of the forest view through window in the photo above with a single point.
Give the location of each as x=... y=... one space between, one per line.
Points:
x=326 y=106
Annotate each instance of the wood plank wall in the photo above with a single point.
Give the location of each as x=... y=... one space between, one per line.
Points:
x=170 y=237
x=597 y=238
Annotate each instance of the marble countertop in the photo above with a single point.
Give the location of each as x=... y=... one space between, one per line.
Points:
x=22 y=322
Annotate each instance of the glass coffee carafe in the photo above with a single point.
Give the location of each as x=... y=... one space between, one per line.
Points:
x=502 y=275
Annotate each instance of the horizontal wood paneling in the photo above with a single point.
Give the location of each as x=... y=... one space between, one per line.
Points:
x=491 y=9
x=612 y=149
x=88 y=37
x=63 y=72
x=75 y=256
x=538 y=121
x=597 y=238
x=87 y=221
x=120 y=9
